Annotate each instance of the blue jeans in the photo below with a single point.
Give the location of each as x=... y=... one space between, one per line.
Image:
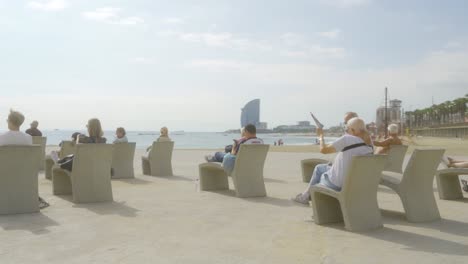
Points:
x=228 y=163
x=320 y=176
x=219 y=156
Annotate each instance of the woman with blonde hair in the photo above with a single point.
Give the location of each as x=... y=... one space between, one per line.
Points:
x=164 y=135
x=95 y=133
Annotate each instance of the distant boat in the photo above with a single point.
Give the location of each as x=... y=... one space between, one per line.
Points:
x=181 y=132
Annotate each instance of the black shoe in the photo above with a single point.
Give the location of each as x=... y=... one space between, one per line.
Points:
x=465 y=185
x=43 y=204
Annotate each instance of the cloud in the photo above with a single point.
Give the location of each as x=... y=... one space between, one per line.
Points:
x=316 y=51
x=49 y=5
x=453 y=45
x=173 y=21
x=143 y=60
x=111 y=15
x=332 y=34
x=292 y=39
x=346 y=3
x=218 y=40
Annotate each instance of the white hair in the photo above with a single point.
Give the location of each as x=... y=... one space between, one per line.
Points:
x=393 y=129
x=357 y=124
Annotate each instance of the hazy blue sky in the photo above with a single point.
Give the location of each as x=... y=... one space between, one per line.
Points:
x=191 y=65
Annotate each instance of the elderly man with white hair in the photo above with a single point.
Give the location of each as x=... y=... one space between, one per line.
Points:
x=350 y=144
x=392 y=139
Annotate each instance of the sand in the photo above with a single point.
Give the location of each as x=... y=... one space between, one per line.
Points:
x=167 y=220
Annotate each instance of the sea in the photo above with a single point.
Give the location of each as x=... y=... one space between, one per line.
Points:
x=187 y=140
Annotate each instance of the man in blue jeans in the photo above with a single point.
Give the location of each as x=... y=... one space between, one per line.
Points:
x=249 y=136
x=349 y=145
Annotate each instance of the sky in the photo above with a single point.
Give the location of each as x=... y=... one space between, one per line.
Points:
x=192 y=64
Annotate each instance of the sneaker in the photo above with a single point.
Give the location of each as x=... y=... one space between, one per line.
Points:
x=42 y=203
x=465 y=185
x=209 y=158
x=300 y=198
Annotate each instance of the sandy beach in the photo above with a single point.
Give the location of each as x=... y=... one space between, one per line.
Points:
x=167 y=220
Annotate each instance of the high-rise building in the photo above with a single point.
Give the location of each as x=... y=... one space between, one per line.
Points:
x=251 y=113
x=393 y=115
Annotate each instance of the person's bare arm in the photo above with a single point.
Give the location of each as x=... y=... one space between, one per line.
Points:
x=384 y=143
x=324 y=148
x=234 y=148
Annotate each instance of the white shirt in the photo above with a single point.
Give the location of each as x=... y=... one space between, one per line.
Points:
x=253 y=141
x=15 y=138
x=342 y=161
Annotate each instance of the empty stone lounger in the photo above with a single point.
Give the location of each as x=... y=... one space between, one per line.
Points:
x=247 y=175
x=395 y=158
x=42 y=141
x=414 y=186
x=90 y=179
x=356 y=204
x=308 y=166
x=67 y=148
x=159 y=160
x=19 y=167
x=448 y=183
x=122 y=160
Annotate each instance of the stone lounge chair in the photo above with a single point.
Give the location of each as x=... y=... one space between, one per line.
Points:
x=67 y=148
x=395 y=158
x=448 y=183
x=159 y=160
x=90 y=179
x=356 y=204
x=42 y=141
x=247 y=175
x=415 y=185
x=19 y=167
x=122 y=160
x=308 y=166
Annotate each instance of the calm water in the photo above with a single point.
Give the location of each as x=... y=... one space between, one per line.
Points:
x=186 y=140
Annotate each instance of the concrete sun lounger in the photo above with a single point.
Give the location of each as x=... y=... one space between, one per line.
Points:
x=122 y=160
x=247 y=175
x=395 y=158
x=67 y=148
x=448 y=183
x=90 y=179
x=159 y=160
x=42 y=141
x=19 y=167
x=356 y=204
x=415 y=185
x=308 y=166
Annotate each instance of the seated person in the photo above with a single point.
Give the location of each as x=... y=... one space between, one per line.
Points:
x=249 y=136
x=33 y=131
x=120 y=135
x=453 y=163
x=54 y=155
x=163 y=137
x=392 y=139
x=352 y=143
x=14 y=136
x=95 y=133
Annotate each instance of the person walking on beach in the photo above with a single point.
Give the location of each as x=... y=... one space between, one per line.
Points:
x=33 y=131
x=393 y=139
x=350 y=144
